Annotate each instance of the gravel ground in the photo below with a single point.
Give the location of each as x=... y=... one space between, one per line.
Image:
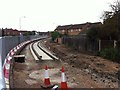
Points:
x=81 y=70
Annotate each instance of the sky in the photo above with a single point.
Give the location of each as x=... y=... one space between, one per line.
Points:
x=46 y=15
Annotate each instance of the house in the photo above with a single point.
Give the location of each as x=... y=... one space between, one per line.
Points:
x=75 y=29
x=15 y=32
x=10 y=32
x=84 y=32
x=63 y=29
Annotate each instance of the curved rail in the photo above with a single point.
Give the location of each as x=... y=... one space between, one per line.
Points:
x=40 y=52
x=40 y=45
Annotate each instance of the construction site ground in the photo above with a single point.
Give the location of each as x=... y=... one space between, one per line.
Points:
x=81 y=70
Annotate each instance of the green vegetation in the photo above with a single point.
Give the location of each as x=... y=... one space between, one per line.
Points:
x=55 y=35
x=110 y=29
x=111 y=22
x=93 y=33
x=111 y=54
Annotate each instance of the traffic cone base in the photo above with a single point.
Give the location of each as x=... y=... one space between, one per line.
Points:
x=47 y=81
x=64 y=85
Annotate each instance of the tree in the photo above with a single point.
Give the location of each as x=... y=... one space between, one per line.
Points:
x=55 y=35
x=115 y=10
x=111 y=21
x=93 y=33
x=110 y=28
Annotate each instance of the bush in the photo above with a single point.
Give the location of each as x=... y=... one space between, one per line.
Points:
x=93 y=33
x=111 y=53
x=55 y=35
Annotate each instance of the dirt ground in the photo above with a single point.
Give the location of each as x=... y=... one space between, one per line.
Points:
x=81 y=70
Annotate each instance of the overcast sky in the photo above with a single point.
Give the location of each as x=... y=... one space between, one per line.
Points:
x=45 y=15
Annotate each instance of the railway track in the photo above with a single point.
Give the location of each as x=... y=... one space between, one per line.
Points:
x=75 y=67
x=39 y=52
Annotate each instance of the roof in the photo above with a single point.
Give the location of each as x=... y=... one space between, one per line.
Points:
x=76 y=26
x=63 y=27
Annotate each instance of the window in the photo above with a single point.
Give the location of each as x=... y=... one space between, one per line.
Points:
x=8 y=33
x=79 y=30
x=63 y=30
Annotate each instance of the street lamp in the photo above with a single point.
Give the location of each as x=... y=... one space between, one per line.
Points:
x=20 y=20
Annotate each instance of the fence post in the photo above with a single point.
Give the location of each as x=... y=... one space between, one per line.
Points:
x=99 y=45
x=115 y=43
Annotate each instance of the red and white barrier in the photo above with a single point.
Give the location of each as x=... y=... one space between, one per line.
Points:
x=6 y=66
x=7 y=62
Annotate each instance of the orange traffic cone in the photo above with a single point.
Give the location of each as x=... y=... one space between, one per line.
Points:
x=47 y=79
x=63 y=80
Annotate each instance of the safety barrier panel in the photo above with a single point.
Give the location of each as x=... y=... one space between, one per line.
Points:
x=5 y=70
x=8 y=60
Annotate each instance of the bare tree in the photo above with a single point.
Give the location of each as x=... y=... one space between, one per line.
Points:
x=115 y=7
x=115 y=10
x=111 y=21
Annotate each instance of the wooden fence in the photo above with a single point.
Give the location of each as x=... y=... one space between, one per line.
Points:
x=84 y=44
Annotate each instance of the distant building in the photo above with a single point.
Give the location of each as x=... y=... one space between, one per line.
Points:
x=10 y=32
x=15 y=32
x=75 y=29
